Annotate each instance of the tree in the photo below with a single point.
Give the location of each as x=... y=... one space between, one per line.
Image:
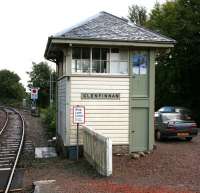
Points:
x=178 y=76
x=40 y=77
x=11 y=89
x=137 y=14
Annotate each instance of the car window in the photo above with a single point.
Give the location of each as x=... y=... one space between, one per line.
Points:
x=177 y=116
x=167 y=109
x=170 y=116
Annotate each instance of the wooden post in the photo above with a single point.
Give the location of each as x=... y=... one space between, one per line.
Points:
x=77 y=142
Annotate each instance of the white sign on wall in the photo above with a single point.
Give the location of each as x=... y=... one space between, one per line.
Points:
x=34 y=93
x=79 y=114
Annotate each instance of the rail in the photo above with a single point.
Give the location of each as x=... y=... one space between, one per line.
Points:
x=18 y=154
x=6 y=122
x=98 y=151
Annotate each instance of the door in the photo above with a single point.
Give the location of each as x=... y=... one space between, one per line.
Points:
x=139 y=101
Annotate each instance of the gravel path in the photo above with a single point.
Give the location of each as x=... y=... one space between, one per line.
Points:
x=173 y=167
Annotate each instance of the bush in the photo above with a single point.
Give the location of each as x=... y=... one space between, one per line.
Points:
x=49 y=118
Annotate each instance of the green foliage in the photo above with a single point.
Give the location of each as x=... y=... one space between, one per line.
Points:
x=49 y=118
x=12 y=90
x=40 y=77
x=177 y=79
x=137 y=14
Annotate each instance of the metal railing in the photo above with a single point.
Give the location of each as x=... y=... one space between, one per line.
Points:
x=98 y=151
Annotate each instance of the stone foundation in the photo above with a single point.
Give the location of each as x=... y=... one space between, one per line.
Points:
x=120 y=149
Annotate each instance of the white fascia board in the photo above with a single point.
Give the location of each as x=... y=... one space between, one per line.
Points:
x=112 y=43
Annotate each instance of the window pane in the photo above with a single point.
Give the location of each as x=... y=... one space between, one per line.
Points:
x=104 y=66
x=124 y=54
x=114 y=67
x=96 y=66
x=86 y=65
x=76 y=65
x=114 y=50
x=105 y=54
x=123 y=69
x=96 y=53
x=76 y=53
x=85 y=53
x=140 y=63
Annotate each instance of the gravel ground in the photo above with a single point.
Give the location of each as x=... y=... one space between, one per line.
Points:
x=172 y=167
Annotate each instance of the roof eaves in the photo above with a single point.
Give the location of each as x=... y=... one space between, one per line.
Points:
x=115 y=40
x=47 y=46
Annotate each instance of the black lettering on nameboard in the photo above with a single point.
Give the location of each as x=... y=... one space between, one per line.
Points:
x=100 y=96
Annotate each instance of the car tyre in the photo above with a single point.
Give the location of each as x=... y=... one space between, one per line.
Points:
x=158 y=136
x=188 y=138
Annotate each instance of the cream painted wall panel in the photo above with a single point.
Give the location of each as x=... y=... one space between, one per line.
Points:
x=85 y=83
x=111 y=135
x=106 y=78
x=89 y=107
x=114 y=124
x=110 y=117
x=109 y=131
x=77 y=90
x=113 y=127
x=107 y=111
x=102 y=115
x=107 y=119
x=101 y=103
x=103 y=87
x=61 y=109
x=115 y=140
x=64 y=109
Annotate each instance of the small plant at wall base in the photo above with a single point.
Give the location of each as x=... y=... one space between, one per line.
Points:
x=49 y=119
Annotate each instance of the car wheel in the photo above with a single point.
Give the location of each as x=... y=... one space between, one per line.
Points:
x=158 y=136
x=188 y=138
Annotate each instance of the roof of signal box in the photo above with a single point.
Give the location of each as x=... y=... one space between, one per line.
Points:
x=107 y=27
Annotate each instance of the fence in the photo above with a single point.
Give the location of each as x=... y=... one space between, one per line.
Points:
x=98 y=151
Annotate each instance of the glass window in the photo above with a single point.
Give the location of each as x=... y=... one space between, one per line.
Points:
x=105 y=54
x=119 y=61
x=86 y=53
x=96 y=53
x=80 y=60
x=76 y=53
x=104 y=60
x=140 y=63
x=100 y=60
x=96 y=66
x=114 y=50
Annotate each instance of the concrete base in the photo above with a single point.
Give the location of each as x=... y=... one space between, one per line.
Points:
x=67 y=151
x=17 y=182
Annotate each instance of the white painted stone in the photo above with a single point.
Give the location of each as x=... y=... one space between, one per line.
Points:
x=45 y=152
x=135 y=156
x=44 y=186
x=142 y=154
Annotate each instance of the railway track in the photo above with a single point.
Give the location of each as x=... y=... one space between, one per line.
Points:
x=11 y=142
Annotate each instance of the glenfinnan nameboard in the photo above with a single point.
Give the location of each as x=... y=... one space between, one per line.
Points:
x=101 y=96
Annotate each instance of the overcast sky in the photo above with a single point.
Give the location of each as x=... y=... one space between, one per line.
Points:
x=26 y=24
